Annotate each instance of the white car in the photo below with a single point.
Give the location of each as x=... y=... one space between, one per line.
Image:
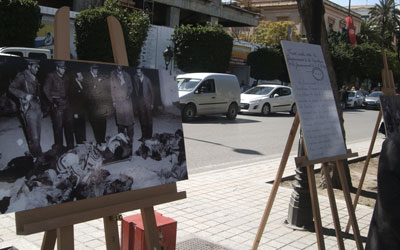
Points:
x=355 y=99
x=267 y=99
x=208 y=94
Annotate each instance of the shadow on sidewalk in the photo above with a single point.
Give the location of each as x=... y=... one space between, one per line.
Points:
x=331 y=232
x=238 y=150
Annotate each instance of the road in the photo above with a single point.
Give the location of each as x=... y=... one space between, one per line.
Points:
x=214 y=142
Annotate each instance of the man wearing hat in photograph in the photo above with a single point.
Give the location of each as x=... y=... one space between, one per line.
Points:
x=56 y=88
x=99 y=102
x=25 y=87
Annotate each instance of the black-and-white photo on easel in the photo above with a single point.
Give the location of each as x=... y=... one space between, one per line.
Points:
x=390 y=106
x=72 y=130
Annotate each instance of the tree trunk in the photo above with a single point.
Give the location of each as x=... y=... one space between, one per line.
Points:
x=312 y=15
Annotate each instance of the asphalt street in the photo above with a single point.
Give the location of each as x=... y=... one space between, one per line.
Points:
x=213 y=142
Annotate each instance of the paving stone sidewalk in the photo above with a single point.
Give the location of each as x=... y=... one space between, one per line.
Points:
x=223 y=210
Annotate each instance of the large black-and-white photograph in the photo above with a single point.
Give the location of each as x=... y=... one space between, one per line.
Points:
x=391 y=114
x=73 y=130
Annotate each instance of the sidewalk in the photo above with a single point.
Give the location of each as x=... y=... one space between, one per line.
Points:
x=223 y=210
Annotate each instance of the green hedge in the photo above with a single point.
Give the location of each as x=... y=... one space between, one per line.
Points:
x=205 y=48
x=265 y=63
x=19 y=22
x=92 y=35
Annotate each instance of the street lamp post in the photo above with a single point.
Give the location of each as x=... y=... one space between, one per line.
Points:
x=300 y=212
x=168 y=54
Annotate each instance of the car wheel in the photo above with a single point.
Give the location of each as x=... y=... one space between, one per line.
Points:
x=188 y=113
x=232 y=111
x=266 y=109
x=293 y=110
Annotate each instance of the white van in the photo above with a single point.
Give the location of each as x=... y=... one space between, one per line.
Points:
x=27 y=52
x=208 y=93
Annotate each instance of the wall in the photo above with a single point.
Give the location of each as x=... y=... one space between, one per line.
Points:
x=48 y=30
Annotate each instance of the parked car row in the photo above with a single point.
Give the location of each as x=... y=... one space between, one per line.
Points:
x=213 y=93
x=360 y=99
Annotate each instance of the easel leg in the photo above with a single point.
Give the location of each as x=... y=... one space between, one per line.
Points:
x=334 y=210
x=315 y=207
x=278 y=178
x=65 y=238
x=350 y=208
x=111 y=232
x=49 y=240
x=364 y=172
x=150 y=228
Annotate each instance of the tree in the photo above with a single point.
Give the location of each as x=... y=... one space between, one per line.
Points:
x=385 y=17
x=368 y=34
x=20 y=20
x=355 y=64
x=271 y=33
x=200 y=48
x=265 y=63
x=342 y=60
x=91 y=28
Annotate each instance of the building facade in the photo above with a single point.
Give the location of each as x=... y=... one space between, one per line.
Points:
x=287 y=10
x=175 y=12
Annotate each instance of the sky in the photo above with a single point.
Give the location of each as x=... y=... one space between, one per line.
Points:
x=355 y=2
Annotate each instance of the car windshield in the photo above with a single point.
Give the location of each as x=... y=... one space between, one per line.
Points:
x=352 y=94
x=187 y=84
x=259 y=90
x=375 y=94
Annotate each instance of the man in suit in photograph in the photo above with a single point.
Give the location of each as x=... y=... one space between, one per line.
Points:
x=144 y=100
x=78 y=104
x=99 y=102
x=121 y=93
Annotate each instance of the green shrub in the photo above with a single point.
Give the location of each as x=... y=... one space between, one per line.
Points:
x=92 y=35
x=19 y=22
x=265 y=63
x=205 y=48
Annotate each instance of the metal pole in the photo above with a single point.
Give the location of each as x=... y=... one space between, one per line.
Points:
x=349 y=7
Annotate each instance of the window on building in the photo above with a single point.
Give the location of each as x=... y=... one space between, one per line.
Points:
x=331 y=23
x=342 y=25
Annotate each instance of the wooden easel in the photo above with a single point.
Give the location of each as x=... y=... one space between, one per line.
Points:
x=57 y=221
x=303 y=161
x=389 y=90
x=300 y=58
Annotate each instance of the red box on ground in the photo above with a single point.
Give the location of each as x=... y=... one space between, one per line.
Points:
x=132 y=232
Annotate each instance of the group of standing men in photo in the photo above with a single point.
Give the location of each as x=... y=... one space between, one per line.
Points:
x=86 y=97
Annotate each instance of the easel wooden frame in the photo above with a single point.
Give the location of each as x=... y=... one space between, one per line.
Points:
x=57 y=221
x=389 y=90
x=303 y=161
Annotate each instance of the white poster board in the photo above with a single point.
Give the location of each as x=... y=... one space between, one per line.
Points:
x=314 y=99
